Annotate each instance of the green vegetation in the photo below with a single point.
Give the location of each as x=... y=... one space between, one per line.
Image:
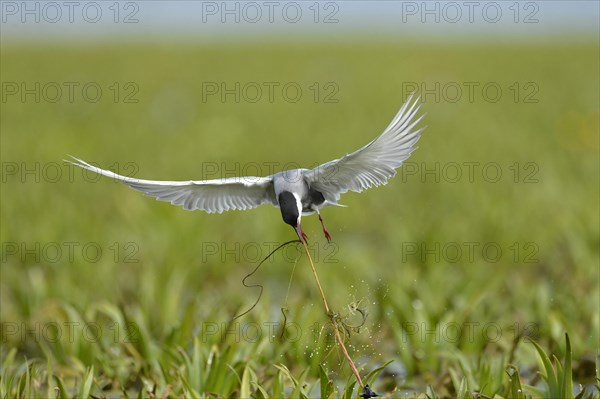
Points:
x=486 y=241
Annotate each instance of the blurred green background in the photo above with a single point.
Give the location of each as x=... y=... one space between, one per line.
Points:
x=161 y=295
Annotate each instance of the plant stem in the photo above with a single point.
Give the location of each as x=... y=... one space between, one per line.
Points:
x=336 y=330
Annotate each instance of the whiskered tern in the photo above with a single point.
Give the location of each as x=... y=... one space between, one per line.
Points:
x=296 y=192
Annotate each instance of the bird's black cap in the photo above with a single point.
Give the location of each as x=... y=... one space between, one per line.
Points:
x=368 y=393
x=289 y=208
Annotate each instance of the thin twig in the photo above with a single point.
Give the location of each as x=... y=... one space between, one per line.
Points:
x=333 y=320
x=259 y=285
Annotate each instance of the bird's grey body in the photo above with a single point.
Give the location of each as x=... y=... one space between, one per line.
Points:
x=296 y=192
x=296 y=182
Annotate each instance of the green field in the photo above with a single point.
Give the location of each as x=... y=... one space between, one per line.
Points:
x=485 y=241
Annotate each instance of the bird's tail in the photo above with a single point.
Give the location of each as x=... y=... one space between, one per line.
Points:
x=330 y=203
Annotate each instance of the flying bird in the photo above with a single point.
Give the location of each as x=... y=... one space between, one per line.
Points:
x=295 y=192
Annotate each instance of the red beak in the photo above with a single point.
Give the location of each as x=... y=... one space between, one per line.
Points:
x=301 y=234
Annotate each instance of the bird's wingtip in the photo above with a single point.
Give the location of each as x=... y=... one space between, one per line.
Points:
x=72 y=158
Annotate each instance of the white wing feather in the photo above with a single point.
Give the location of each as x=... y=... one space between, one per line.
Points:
x=375 y=163
x=212 y=196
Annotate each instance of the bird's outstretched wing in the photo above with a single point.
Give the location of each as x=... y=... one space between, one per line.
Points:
x=212 y=196
x=373 y=164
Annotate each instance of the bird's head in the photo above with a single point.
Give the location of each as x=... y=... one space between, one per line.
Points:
x=291 y=210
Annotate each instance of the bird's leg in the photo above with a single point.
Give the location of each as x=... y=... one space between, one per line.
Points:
x=301 y=234
x=327 y=235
